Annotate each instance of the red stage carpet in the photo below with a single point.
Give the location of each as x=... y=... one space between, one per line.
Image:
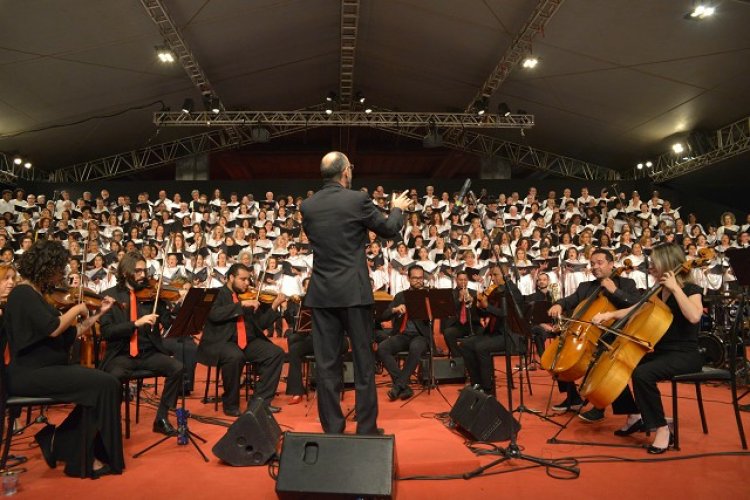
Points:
x=424 y=446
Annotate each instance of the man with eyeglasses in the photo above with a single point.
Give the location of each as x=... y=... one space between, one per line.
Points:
x=406 y=335
x=134 y=340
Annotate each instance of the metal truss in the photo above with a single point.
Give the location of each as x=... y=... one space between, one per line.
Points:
x=344 y=118
x=349 y=23
x=517 y=154
x=176 y=43
x=520 y=48
x=10 y=173
x=162 y=154
x=728 y=141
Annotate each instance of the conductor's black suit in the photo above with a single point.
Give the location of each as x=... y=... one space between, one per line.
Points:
x=336 y=221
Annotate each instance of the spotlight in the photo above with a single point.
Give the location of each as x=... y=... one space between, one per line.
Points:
x=678 y=148
x=213 y=105
x=649 y=164
x=331 y=97
x=702 y=10
x=530 y=62
x=368 y=110
x=187 y=106
x=27 y=165
x=503 y=109
x=165 y=55
x=17 y=160
x=360 y=98
x=481 y=106
x=329 y=110
x=639 y=166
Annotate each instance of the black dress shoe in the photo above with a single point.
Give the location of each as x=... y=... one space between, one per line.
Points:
x=232 y=412
x=635 y=427
x=653 y=450
x=44 y=440
x=406 y=393
x=104 y=470
x=162 y=426
x=393 y=393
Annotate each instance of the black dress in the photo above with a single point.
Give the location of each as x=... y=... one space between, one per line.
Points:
x=39 y=367
x=675 y=354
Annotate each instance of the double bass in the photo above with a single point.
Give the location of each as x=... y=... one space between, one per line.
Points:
x=569 y=355
x=636 y=334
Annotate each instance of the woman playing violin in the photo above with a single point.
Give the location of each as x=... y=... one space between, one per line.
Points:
x=676 y=353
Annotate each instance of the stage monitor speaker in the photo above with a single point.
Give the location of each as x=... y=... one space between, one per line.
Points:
x=444 y=372
x=482 y=417
x=336 y=466
x=251 y=439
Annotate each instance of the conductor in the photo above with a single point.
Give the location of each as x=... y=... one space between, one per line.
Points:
x=336 y=220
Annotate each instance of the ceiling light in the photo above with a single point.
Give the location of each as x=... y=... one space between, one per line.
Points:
x=702 y=10
x=187 y=106
x=17 y=160
x=481 y=106
x=214 y=106
x=360 y=98
x=530 y=62
x=331 y=97
x=639 y=166
x=677 y=148
x=368 y=110
x=649 y=164
x=27 y=165
x=503 y=109
x=329 y=110
x=165 y=55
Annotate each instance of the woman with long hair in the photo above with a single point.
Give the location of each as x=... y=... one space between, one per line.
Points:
x=39 y=337
x=676 y=353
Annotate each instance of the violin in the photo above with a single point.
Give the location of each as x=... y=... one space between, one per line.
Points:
x=265 y=297
x=382 y=296
x=148 y=294
x=63 y=298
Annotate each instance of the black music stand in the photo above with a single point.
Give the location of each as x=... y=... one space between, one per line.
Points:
x=739 y=261
x=429 y=304
x=189 y=321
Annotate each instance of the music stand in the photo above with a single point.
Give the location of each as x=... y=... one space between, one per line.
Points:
x=739 y=261
x=190 y=319
x=429 y=304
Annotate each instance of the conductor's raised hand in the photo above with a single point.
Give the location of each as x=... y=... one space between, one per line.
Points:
x=401 y=201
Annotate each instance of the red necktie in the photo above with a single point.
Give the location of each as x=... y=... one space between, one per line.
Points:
x=403 y=323
x=133 y=317
x=241 y=332
x=462 y=316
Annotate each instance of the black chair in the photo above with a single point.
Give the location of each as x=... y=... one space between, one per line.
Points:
x=138 y=376
x=524 y=366
x=251 y=376
x=698 y=378
x=14 y=405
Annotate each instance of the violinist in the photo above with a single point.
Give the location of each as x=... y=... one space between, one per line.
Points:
x=233 y=335
x=39 y=338
x=467 y=319
x=620 y=291
x=133 y=337
x=676 y=353
x=477 y=350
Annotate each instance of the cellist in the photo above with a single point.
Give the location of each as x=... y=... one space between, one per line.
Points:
x=621 y=292
x=676 y=353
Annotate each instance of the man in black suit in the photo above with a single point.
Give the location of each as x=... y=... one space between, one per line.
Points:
x=133 y=338
x=407 y=335
x=233 y=334
x=477 y=350
x=336 y=220
x=621 y=292
x=467 y=319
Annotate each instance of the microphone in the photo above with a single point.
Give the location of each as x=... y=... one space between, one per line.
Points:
x=461 y=196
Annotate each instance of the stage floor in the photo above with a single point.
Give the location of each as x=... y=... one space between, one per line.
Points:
x=425 y=446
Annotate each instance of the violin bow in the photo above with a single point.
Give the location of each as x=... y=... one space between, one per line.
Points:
x=161 y=276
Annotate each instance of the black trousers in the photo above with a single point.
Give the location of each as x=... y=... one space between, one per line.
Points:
x=478 y=361
x=123 y=366
x=328 y=327
x=654 y=368
x=540 y=336
x=416 y=344
x=300 y=345
x=189 y=349
x=266 y=355
x=458 y=331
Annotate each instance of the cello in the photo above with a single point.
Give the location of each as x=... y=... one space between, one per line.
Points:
x=636 y=334
x=570 y=353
